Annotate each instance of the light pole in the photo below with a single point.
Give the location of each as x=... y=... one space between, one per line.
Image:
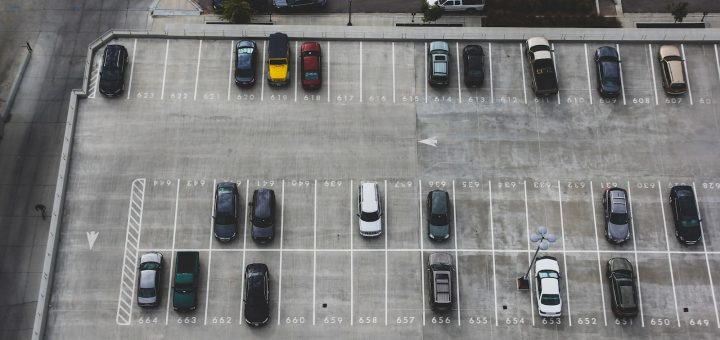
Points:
x=349 y=13
x=543 y=240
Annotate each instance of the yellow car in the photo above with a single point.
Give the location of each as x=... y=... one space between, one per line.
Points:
x=278 y=57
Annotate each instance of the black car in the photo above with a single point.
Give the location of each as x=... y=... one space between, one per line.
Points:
x=262 y=215
x=623 y=294
x=217 y=5
x=438 y=215
x=440 y=271
x=617 y=215
x=245 y=62
x=112 y=73
x=685 y=214
x=257 y=294
x=295 y=4
x=225 y=217
x=474 y=65
x=607 y=64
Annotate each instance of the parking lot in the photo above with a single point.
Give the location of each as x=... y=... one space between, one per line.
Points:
x=145 y=165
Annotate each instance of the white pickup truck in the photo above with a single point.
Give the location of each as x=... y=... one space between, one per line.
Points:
x=459 y=5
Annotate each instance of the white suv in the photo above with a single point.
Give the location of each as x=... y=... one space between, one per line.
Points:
x=547 y=275
x=370 y=213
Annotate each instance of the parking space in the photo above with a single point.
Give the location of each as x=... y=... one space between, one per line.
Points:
x=345 y=72
x=333 y=289
x=377 y=75
x=477 y=290
x=299 y=225
x=708 y=196
x=472 y=215
x=182 y=72
x=148 y=70
x=401 y=215
x=573 y=75
x=335 y=217
x=158 y=214
x=368 y=288
x=508 y=69
x=214 y=73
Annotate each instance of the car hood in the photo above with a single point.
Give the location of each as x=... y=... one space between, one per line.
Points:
x=690 y=233
x=609 y=87
x=618 y=231
x=225 y=230
x=258 y=312
x=547 y=309
x=110 y=85
x=148 y=300
x=278 y=72
x=370 y=226
x=262 y=232
x=241 y=78
x=439 y=230
x=183 y=300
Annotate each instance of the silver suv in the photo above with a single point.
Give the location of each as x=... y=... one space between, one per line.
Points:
x=439 y=59
x=369 y=210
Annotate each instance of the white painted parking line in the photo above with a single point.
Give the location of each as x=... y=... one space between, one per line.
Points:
x=197 y=71
x=126 y=296
x=707 y=260
x=328 y=80
x=393 y=70
x=652 y=71
x=492 y=91
x=622 y=82
x=352 y=284
x=296 y=68
x=587 y=71
x=597 y=246
x=527 y=230
x=245 y=220
x=426 y=100
x=562 y=232
x=167 y=47
x=422 y=264
x=492 y=246
x=387 y=229
x=282 y=220
x=212 y=219
x=522 y=67
x=637 y=264
x=361 y=73
x=667 y=244
x=230 y=72
x=457 y=260
x=314 y=248
x=172 y=250
x=687 y=75
x=717 y=61
x=262 y=72
x=556 y=72
x=132 y=68
x=457 y=64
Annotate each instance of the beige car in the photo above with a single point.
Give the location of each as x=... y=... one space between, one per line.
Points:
x=672 y=69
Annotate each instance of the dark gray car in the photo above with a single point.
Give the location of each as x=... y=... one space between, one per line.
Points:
x=150 y=271
x=262 y=215
x=438 y=215
x=440 y=276
x=617 y=215
x=225 y=217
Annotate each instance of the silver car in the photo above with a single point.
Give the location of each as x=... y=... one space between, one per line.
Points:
x=148 y=294
x=617 y=215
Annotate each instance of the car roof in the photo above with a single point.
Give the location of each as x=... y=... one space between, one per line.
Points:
x=310 y=62
x=550 y=286
x=537 y=41
x=147 y=278
x=263 y=203
x=618 y=201
x=543 y=55
x=439 y=203
x=439 y=45
x=369 y=202
x=310 y=46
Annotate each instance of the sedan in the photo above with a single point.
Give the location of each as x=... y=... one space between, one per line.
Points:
x=149 y=279
x=257 y=294
x=310 y=65
x=438 y=208
x=245 y=63
x=607 y=65
x=473 y=65
x=623 y=294
x=225 y=216
x=685 y=214
x=617 y=215
x=547 y=276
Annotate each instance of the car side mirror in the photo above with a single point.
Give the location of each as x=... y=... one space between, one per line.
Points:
x=358 y=215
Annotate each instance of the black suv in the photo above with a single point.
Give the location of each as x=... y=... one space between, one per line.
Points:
x=112 y=74
x=473 y=65
x=440 y=272
x=685 y=214
x=257 y=294
x=438 y=208
x=225 y=217
x=262 y=215
x=617 y=215
x=622 y=287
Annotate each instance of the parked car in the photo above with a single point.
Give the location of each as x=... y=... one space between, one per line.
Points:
x=440 y=272
x=438 y=215
x=112 y=73
x=547 y=275
x=539 y=55
x=278 y=71
x=257 y=294
x=672 y=68
x=439 y=60
x=617 y=215
x=623 y=294
x=187 y=280
x=217 y=6
x=370 y=210
x=262 y=215
x=607 y=65
x=245 y=62
x=473 y=65
x=150 y=269
x=470 y=6
x=225 y=216
x=310 y=65
x=296 y=4
x=685 y=214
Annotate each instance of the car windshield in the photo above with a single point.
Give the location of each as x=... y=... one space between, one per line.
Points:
x=245 y=50
x=278 y=61
x=548 y=274
x=146 y=292
x=622 y=274
x=619 y=218
x=111 y=74
x=438 y=219
x=312 y=76
x=369 y=216
x=150 y=266
x=550 y=299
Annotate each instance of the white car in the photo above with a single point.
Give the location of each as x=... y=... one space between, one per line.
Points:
x=370 y=212
x=469 y=6
x=547 y=277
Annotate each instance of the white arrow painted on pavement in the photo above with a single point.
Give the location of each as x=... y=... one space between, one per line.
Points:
x=92 y=237
x=432 y=141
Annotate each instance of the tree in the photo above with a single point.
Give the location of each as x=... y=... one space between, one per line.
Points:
x=678 y=10
x=237 y=11
x=431 y=13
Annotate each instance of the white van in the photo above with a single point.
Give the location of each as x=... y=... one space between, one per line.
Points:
x=369 y=210
x=459 y=5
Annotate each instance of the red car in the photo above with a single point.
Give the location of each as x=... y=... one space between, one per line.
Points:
x=310 y=65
